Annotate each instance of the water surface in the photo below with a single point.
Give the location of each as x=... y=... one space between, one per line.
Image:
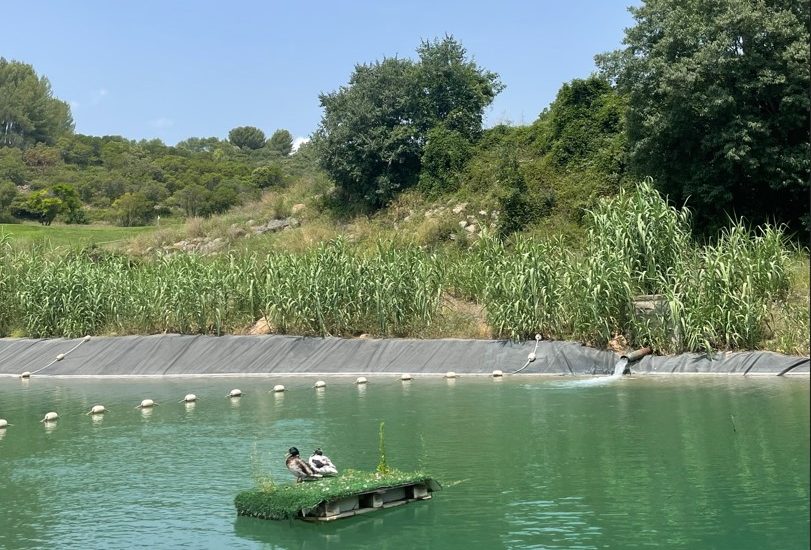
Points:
x=527 y=462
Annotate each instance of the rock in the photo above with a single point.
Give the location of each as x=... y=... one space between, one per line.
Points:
x=296 y=208
x=618 y=344
x=463 y=223
x=236 y=232
x=459 y=208
x=471 y=228
x=275 y=225
x=261 y=327
x=482 y=212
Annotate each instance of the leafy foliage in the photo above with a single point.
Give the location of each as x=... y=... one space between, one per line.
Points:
x=29 y=113
x=247 y=137
x=374 y=130
x=281 y=142
x=718 y=105
x=443 y=160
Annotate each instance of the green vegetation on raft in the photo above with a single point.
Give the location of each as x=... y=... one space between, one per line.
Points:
x=286 y=501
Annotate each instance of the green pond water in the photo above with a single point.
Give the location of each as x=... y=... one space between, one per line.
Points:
x=526 y=462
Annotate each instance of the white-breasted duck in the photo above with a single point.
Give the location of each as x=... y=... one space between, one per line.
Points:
x=321 y=464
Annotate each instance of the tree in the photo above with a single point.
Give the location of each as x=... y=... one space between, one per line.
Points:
x=281 y=142
x=247 y=137
x=718 y=105
x=42 y=156
x=586 y=116
x=443 y=159
x=12 y=166
x=373 y=130
x=39 y=206
x=29 y=113
x=516 y=210
x=452 y=90
x=8 y=191
x=270 y=175
x=200 y=145
x=367 y=141
x=71 y=203
x=132 y=209
x=223 y=197
x=193 y=199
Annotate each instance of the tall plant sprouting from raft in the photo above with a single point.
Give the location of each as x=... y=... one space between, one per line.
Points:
x=382 y=464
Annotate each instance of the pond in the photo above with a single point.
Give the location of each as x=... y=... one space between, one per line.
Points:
x=526 y=462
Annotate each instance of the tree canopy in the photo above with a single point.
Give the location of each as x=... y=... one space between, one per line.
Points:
x=247 y=137
x=29 y=113
x=374 y=129
x=718 y=104
x=281 y=142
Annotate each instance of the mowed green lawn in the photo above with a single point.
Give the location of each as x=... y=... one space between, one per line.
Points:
x=69 y=236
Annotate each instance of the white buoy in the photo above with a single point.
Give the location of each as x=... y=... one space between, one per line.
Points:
x=278 y=388
x=86 y=338
x=50 y=417
x=146 y=403
x=497 y=374
x=26 y=374
x=97 y=409
x=531 y=357
x=538 y=337
x=361 y=380
x=450 y=374
x=189 y=398
x=235 y=393
x=405 y=377
x=320 y=384
x=60 y=356
x=3 y=423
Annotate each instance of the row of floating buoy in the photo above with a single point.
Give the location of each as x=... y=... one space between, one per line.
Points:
x=235 y=393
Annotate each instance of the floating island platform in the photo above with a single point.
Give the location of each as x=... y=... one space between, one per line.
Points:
x=327 y=499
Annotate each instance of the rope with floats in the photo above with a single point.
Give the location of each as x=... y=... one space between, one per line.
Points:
x=532 y=355
x=58 y=358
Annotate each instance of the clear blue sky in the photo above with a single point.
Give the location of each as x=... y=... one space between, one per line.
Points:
x=175 y=69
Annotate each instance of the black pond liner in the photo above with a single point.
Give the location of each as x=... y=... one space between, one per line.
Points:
x=174 y=354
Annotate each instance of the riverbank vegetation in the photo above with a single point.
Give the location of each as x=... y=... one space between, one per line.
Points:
x=732 y=293
x=404 y=216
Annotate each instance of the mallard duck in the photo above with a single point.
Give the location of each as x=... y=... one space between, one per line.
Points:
x=298 y=467
x=321 y=464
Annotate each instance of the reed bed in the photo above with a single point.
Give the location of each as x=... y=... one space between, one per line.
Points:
x=331 y=290
x=734 y=293
x=718 y=296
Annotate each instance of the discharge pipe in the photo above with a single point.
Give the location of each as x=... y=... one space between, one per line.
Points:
x=635 y=356
x=629 y=358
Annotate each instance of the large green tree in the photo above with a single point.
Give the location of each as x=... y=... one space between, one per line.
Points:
x=374 y=129
x=367 y=141
x=29 y=113
x=247 y=137
x=719 y=105
x=281 y=142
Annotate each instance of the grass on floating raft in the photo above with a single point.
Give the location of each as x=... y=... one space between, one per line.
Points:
x=285 y=501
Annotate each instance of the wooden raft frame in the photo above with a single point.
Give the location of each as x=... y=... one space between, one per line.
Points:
x=368 y=501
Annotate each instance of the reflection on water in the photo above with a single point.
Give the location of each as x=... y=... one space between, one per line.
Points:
x=526 y=462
